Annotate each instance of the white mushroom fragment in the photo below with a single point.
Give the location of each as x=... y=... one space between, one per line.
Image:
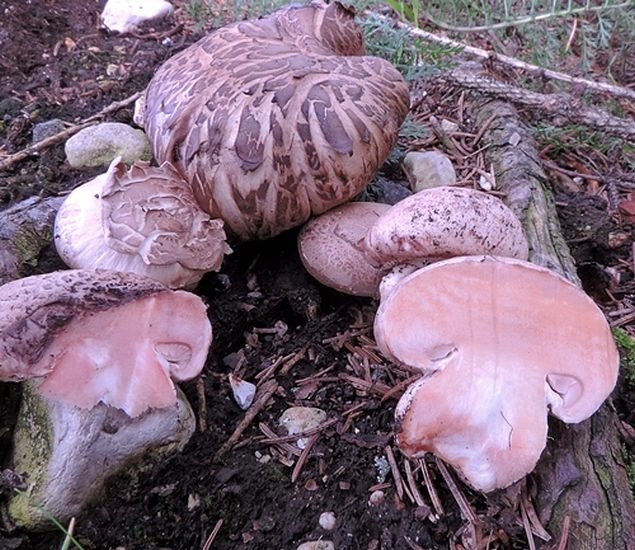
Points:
x=504 y=342
x=443 y=222
x=331 y=248
x=276 y=119
x=142 y=221
x=101 y=336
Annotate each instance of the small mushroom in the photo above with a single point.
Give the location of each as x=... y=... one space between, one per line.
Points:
x=500 y=343
x=276 y=119
x=101 y=336
x=143 y=221
x=443 y=222
x=331 y=248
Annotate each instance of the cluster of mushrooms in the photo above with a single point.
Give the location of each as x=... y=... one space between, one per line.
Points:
x=257 y=128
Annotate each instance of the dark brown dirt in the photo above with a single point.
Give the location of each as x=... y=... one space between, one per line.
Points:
x=56 y=63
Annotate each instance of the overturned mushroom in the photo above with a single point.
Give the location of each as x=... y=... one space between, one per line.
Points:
x=143 y=221
x=443 y=222
x=100 y=350
x=101 y=336
x=502 y=342
x=276 y=119
x=331 y=248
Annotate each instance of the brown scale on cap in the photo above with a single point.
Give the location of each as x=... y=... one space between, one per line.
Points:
x=91 y=336
x=276 y=119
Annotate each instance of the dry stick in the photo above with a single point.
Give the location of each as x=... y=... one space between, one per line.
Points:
x=202 y=405
x=434 y=496
x=212 y=535
x=599 y=87
x=464 y=505
x=303 y=457
x=65 y=134
x=555 y=104
x=413 y=484
x=395 y=471
x=266 y=390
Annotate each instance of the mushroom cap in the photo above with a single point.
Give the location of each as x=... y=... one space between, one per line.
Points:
x=501 y=341
x=330 y=248
x=102 y=336
x=144 y=221
x=443 y=222
x=277 y=119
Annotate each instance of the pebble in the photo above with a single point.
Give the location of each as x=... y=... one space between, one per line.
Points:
x=427 y=169
x=126 y=15
x=99 y=145
x=377 y=498
x=243 y=391
x=297 y=420
x=47 y=129
x=317 y=545
x=327 y=521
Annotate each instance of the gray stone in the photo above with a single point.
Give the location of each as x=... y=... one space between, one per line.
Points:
x=47 y=129
x=99 y=145
x=427 y=169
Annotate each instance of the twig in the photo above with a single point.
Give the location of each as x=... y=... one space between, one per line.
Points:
x=303 y=457
x=581 y=10
x=564 y=537
x=212 y=535
x=202 y=405
x=599 y=87
x=266 y=390
x=9 y=161
x=555 y=104
x=413 y=484
x=395 y=471
x=434 y=497
x=464 y=505
x=69 y=535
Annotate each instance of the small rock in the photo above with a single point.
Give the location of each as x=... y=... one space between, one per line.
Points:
x=47 y=129
x=99 y=145
x=327 y=521
x=126 y=15
x=317 y=545
x=243 y=391
x=297 y=420
x=427 y=169
x=448 y=126
x=377 y=498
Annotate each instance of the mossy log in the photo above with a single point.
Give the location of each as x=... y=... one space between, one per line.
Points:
x=580 y=486
x=25 y=235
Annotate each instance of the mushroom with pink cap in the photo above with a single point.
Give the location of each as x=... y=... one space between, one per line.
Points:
x=99 y=351
x=500 y=343
x=143 y=220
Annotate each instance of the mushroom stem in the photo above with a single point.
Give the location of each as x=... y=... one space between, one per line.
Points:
x=68 y=453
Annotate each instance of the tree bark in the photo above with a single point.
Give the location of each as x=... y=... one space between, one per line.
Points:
x=25 y=235
x=581 y=475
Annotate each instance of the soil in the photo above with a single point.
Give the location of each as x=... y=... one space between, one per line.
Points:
x=271 y=322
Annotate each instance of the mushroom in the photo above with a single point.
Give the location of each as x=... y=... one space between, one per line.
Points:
x=352 y=248
x=143 y=221
x=500 y=342
x=331 y=248
x=276 y=119
x=443 y=222
x=101 y=336
x=99 y=350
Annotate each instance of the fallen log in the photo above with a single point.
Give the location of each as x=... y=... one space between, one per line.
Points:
x=26 y=231
x=580 y=485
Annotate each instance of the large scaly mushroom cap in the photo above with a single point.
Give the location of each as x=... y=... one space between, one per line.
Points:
x=143 y=220
x=276 y=119
x=102 y=336
x=503 y=341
